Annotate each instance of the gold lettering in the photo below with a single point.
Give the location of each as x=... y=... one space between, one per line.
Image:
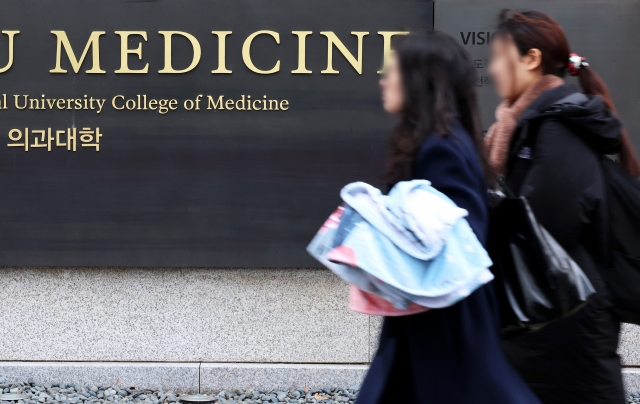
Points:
x=302 y=43
x=241 y=100
x=16 y=103
x=130 y=104
x=113 y=102
x=387 y=35
x=162 y=107
x=100 y=105
x=332 y=40
x=222 y=39
x=125 y=51
x=284 y=105
x=10 y=34
x=58 y=133
x=229 y=104
x=93 y=43
x=271 y=102
x=213 y=105
x=254 y=105
x=197 y=52
x=246 y=52
x=33 y=104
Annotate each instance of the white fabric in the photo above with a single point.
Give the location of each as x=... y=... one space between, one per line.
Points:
x=413 y=217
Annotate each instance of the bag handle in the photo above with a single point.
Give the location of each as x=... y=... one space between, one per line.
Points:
x=502 y=182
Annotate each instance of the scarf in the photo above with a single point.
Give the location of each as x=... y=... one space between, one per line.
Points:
x=499 y=135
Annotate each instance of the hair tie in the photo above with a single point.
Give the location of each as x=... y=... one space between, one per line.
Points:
x=576 y=63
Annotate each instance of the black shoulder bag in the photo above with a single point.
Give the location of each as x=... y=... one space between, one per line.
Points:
x=537 y=282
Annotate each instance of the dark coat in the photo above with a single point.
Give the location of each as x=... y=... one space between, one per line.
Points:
x=451 y=355
x=554 y=162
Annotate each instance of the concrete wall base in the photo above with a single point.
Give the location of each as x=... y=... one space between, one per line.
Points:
x=205 y=377
x=215 y=377
x=186 y=377
x=194 y=329
x=179 y=377
x=632 y=380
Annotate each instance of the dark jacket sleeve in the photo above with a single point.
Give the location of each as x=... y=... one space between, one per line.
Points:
x=446 y=164
x=564 y=184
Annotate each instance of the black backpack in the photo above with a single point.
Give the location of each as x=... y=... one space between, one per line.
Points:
x=622 y=275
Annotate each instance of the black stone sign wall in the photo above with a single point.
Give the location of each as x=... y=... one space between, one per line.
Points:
x=171 y=182
x=606 y=32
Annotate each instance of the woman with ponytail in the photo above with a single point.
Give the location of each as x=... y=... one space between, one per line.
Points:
x=548 y=149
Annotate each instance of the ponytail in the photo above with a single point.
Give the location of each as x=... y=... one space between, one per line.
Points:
x=534 y=29
x=591 y=83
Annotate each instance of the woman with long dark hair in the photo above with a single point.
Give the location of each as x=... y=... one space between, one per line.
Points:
x=451 y=355
x=547 y=143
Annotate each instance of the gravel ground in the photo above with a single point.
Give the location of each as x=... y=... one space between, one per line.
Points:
x=76 y=394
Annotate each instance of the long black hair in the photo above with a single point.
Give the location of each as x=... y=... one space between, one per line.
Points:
x=438 y=78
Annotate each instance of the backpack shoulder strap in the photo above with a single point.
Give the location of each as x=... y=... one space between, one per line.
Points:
x=533 y=119
x=576 y=98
